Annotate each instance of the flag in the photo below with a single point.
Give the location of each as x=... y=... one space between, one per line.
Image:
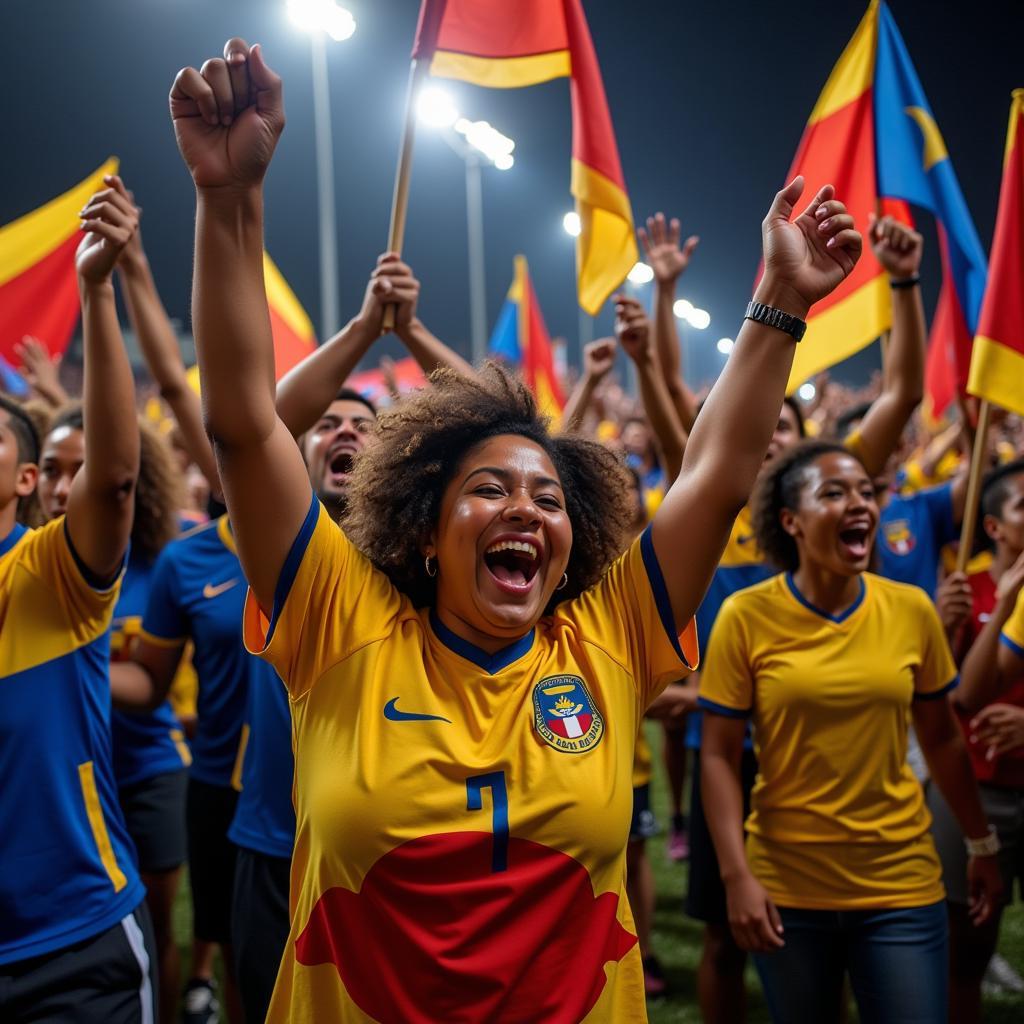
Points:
x=838 y=147
x=997 y=362
x=294 y=338
x=12 y=382
x=38 y=287
x=505 y=44
x=913 y=164
x=521 y=339
x=371 y=384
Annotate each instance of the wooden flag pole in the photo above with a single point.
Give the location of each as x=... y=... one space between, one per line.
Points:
x=963 y=555
x=418 y=70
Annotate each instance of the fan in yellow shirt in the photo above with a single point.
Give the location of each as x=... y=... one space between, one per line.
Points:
x=830 y=663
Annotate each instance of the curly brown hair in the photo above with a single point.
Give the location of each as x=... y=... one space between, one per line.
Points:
x=394 y=496
x=158 y=490
x=779 y=487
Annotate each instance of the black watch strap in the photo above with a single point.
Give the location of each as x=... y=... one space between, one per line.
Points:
x=792 y=325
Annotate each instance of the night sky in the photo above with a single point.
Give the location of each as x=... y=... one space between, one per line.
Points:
x=708 y=101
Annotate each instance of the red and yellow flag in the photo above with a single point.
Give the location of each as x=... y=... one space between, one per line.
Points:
x=291 y=327
x=38 y=289
x=997 y=362
x=505 y=44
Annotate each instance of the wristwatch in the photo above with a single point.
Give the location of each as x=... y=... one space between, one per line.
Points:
x=791 y=325
x=987 y=847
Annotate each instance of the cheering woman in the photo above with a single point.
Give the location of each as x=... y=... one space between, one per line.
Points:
x=467 y=662
x=830 y=663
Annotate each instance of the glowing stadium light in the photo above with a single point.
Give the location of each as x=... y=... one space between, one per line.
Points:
x=682 y=308
x=503 y=161
x=807 y=392
x=322 y=16
x=435 y=107
x=571 y=223
x=699 y=318
x=487 y=140
x=725 y=345
x=640 y=274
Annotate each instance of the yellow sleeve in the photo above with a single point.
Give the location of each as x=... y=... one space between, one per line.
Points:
x=936 y=674
x=627 y=614
x=727 y=679
x=329 y=601
x=1013 y=630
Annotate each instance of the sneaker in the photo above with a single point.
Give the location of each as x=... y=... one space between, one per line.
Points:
x=1001 y=977
x=200 y=1005
x=678 y=845
x=655 y=986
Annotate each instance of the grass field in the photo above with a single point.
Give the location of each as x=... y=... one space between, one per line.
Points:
x=677 y=938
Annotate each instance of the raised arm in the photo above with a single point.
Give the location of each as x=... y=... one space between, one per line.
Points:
x=102 y=498
x=669 y=261
x=598 y=359
x=633 y=330
x=898 y=249
x=159 y=346
x=804 y=260
x=227 y=119
x=41 y=371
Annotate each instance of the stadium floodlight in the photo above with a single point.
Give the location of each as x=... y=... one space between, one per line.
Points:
x=682 y=308
x=807 y=392
x=699 y=318
x=487 y=140
x=322 y=16
x=435 y=107
x=571 y=223
x=640 y=274
x=725 y=345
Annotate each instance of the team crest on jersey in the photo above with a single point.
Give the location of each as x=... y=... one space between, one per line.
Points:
x=565 y=715
x=898 y=537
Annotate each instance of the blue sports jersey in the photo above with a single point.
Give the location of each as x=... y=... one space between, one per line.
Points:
x=912 y=532
x=67 y=866
x=742 y=565
x=149 y=744
x=197 y=593
x=265 y=817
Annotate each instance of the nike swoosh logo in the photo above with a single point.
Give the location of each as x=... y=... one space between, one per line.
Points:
x=211 y=591
x=392 y=714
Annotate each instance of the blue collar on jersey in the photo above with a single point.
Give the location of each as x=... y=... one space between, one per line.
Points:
x=490 y=663
x=12 y=538
x=842 y=617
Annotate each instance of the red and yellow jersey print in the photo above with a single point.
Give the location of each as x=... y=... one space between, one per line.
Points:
x=461 y=817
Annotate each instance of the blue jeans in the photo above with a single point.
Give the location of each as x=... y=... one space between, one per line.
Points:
x=898 y=962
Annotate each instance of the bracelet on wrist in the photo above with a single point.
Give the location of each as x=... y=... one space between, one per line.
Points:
x=905 y=282
x=777 y=318
x=986 y=847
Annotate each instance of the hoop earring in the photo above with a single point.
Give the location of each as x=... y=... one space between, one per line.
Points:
x=426 y=567
x=565 y=580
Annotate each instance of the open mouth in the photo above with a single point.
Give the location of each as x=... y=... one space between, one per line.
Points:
x=855 y=541
x=340 y=465
x=513 y=564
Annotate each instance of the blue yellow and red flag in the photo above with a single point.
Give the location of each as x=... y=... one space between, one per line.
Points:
x=38 y=289
x=12 y=382
x=294 y=337
x=913 y=164
x=997 y=362
x=502 y=44
x=872 y=134
x=521 y=339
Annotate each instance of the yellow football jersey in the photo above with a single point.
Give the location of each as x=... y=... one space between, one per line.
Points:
x=1013 y=629
x=461 y=817
x=838 y=820
x=642 y=760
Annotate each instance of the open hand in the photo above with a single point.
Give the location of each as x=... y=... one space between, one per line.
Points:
x=632 y=327
x=896 y=246
x=807 y=258
x=1010 y=583
x=662 y=250
x=40 y=370
x=228 y=117
x=109 y=220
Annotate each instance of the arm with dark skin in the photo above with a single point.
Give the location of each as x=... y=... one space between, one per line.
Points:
x=805 y=259
x=898 y=248
x=598 y=359
x=669 y=260
x=633 y=331
x=143 y=683
x=753 y=918
x=159 y=346
x=942 y=742
x=101 y=504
